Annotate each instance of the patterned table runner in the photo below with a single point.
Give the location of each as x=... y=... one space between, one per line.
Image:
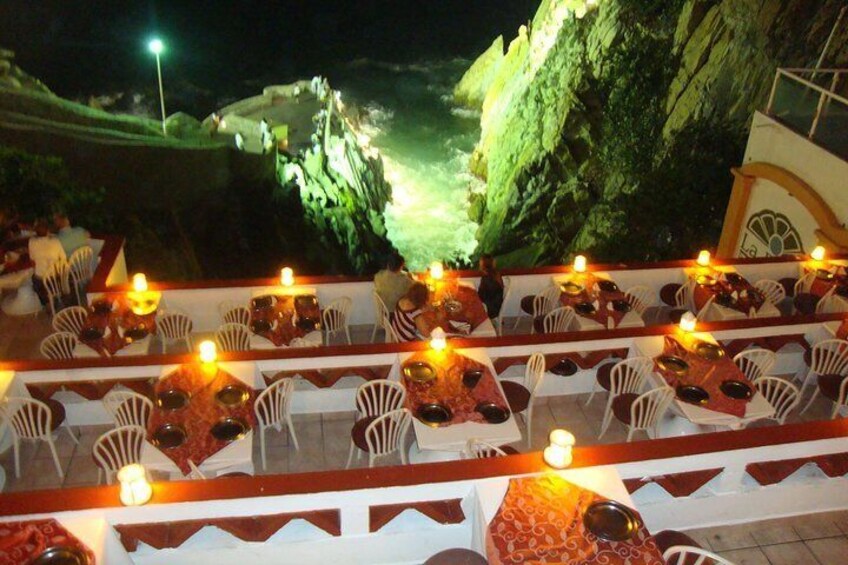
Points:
x=706 y=374
x=117 y=319
x=471 y=311
x=289 y=318
x=203 y=411
x=541 y=521
x=591 y=293
x=747 y=296
x=23 y=542
x=447 y=387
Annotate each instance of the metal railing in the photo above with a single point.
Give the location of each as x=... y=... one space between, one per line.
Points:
x=810 y=102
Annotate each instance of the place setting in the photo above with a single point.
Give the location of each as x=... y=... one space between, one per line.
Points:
x=112 y=328
x=277 y=319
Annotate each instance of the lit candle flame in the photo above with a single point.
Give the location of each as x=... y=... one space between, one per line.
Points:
x=438 y=340
x=437 y=271
x=580 y=264
x=818 y=253
x=208 y=351
x=139 y=282
x=558 y=453
x=135 y=490
x=286 y=276
x=688 y=321
x=704 y=258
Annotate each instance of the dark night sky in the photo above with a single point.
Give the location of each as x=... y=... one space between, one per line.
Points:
x=81 y=47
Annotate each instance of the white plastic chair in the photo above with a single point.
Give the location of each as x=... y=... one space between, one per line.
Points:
x=755 y=362
x=174 y=326
x=773 y=291
x=838 y=402
x=334 y=319
x=233 y=337
x=479 y=449
x=640 y=298
x=117 y=448
x=626 y=377
x=781 y=394
x=683 y=296
x=534 y=375
x=825 y=303
x=273 y=408
x=688 y=555
x=381 y=320
x=81 y=265
x=386 y=434
x=647 y=410
x=71 y=320
x=235 y=314
x=31 y=419
x=59 y=345
x=57 y=284
x=803 y=284
x=543 y=303
x=507 y=292
x=828 y=357
x=128 y=408
x=558 y=320
x=373 y=399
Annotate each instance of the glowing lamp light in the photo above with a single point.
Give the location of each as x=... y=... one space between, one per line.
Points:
x=135 y=490
x=208 y=351
x=687 y=322
x=156 y=46
x=818 y=253
x=139 y=282
x=438 y=340
x=558 y=453
x=286 y=276
x=580 y=264
x=437 y=271
x=703 y=258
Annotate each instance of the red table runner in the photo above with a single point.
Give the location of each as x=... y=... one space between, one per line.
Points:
x=604 y=310
x=748 y=296
x=472 y=311
x=22 y=542
x=447 y=387
x=706 y=374
x=283 y=316
x=21 y=264
x=541 y=521
x=819 y=287
x=117 y=319
x=202 y=412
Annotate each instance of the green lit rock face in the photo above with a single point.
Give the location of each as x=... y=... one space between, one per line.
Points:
x=613 y=135
x=476 y=82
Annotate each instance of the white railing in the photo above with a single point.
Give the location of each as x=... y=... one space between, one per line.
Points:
x=806 y=78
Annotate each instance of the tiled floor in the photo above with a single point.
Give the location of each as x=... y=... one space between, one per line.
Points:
x=814 y=539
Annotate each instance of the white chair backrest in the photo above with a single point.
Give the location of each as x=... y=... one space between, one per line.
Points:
x=803 y=284
x=478 y=449
x=174 y=325
x=755 y=362
x=507 y=292
x=649 y=407
x=274 y=403
x=688 y=555
x=335 y=314
x=628 y=376
x=59 y=345
x=379 y=397
x=71 y=320
x=128 y=408
x=233 y=337
x=830 y=357
x=781 y=394
x=118 y=448
x=546 y=301
x=81 y=264
x=380 y=308
x=558 y=320
x=385 y=435
x=236 y=315
x=825 y=303
x=640 y=298
x=773 y=291
x=683 y=296
x=702 y=313
x=534 y=373
x=29 y=418
x=57 y=280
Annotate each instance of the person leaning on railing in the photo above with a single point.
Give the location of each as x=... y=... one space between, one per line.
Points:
x=491 y=289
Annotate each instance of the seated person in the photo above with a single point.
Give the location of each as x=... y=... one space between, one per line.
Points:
x=71 y=238
x=392 y=282
x=407 y=321
x=44 y=251
x=491 y=289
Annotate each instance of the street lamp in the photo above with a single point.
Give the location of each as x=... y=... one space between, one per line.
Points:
x=156 y=46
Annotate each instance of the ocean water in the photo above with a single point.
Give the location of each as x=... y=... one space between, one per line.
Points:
x=426 y=144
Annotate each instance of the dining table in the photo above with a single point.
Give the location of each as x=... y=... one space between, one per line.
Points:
x=456 y=307
x=577 y=517
x=453 y=396
x=597 y=301
x=733 y=297
x=113 y=329
x=285 y=317
x=30 y=540
x=203 y=413
x=710 y=390
x=16 y=276
x=830 y=278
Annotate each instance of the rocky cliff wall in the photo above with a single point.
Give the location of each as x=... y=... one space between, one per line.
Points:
x=613 y=134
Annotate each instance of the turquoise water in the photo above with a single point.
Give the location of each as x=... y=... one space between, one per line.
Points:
x=426 y=144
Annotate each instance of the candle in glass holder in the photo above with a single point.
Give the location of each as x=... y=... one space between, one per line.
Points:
x=818 y=254
x=286 y=276
x=438 y=340
x=437 y=271
x=688 y=321
x=580 y=264
x=558 y=453
x=703 y=258
x=208 y=351
x=139 y=282
x=135 y=490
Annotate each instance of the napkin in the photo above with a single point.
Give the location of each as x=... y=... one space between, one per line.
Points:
x=461 y=327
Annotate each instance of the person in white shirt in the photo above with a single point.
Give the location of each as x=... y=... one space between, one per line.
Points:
x=44 y=251
x=71 y=237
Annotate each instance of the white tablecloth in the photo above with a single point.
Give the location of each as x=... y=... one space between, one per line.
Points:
x=140 y=347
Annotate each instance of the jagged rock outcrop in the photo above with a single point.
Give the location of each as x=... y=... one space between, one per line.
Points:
x=471 y=90
x=613 y=134
x=12 y=76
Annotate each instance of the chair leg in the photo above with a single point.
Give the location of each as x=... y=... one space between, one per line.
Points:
x=72 y=434
x=350 y=454
x=56 y=458
x=812 y=399
x=347 y=334
x=528 y=424
x=374 y=332
x=262 y=445
x=99 y=476
x=807 y=378
x=606 y=421
x=629 y=433
x=291 y=431
x=592 y=394
x=17 y=458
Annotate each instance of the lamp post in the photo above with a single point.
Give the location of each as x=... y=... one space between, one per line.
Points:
x=156 y=46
